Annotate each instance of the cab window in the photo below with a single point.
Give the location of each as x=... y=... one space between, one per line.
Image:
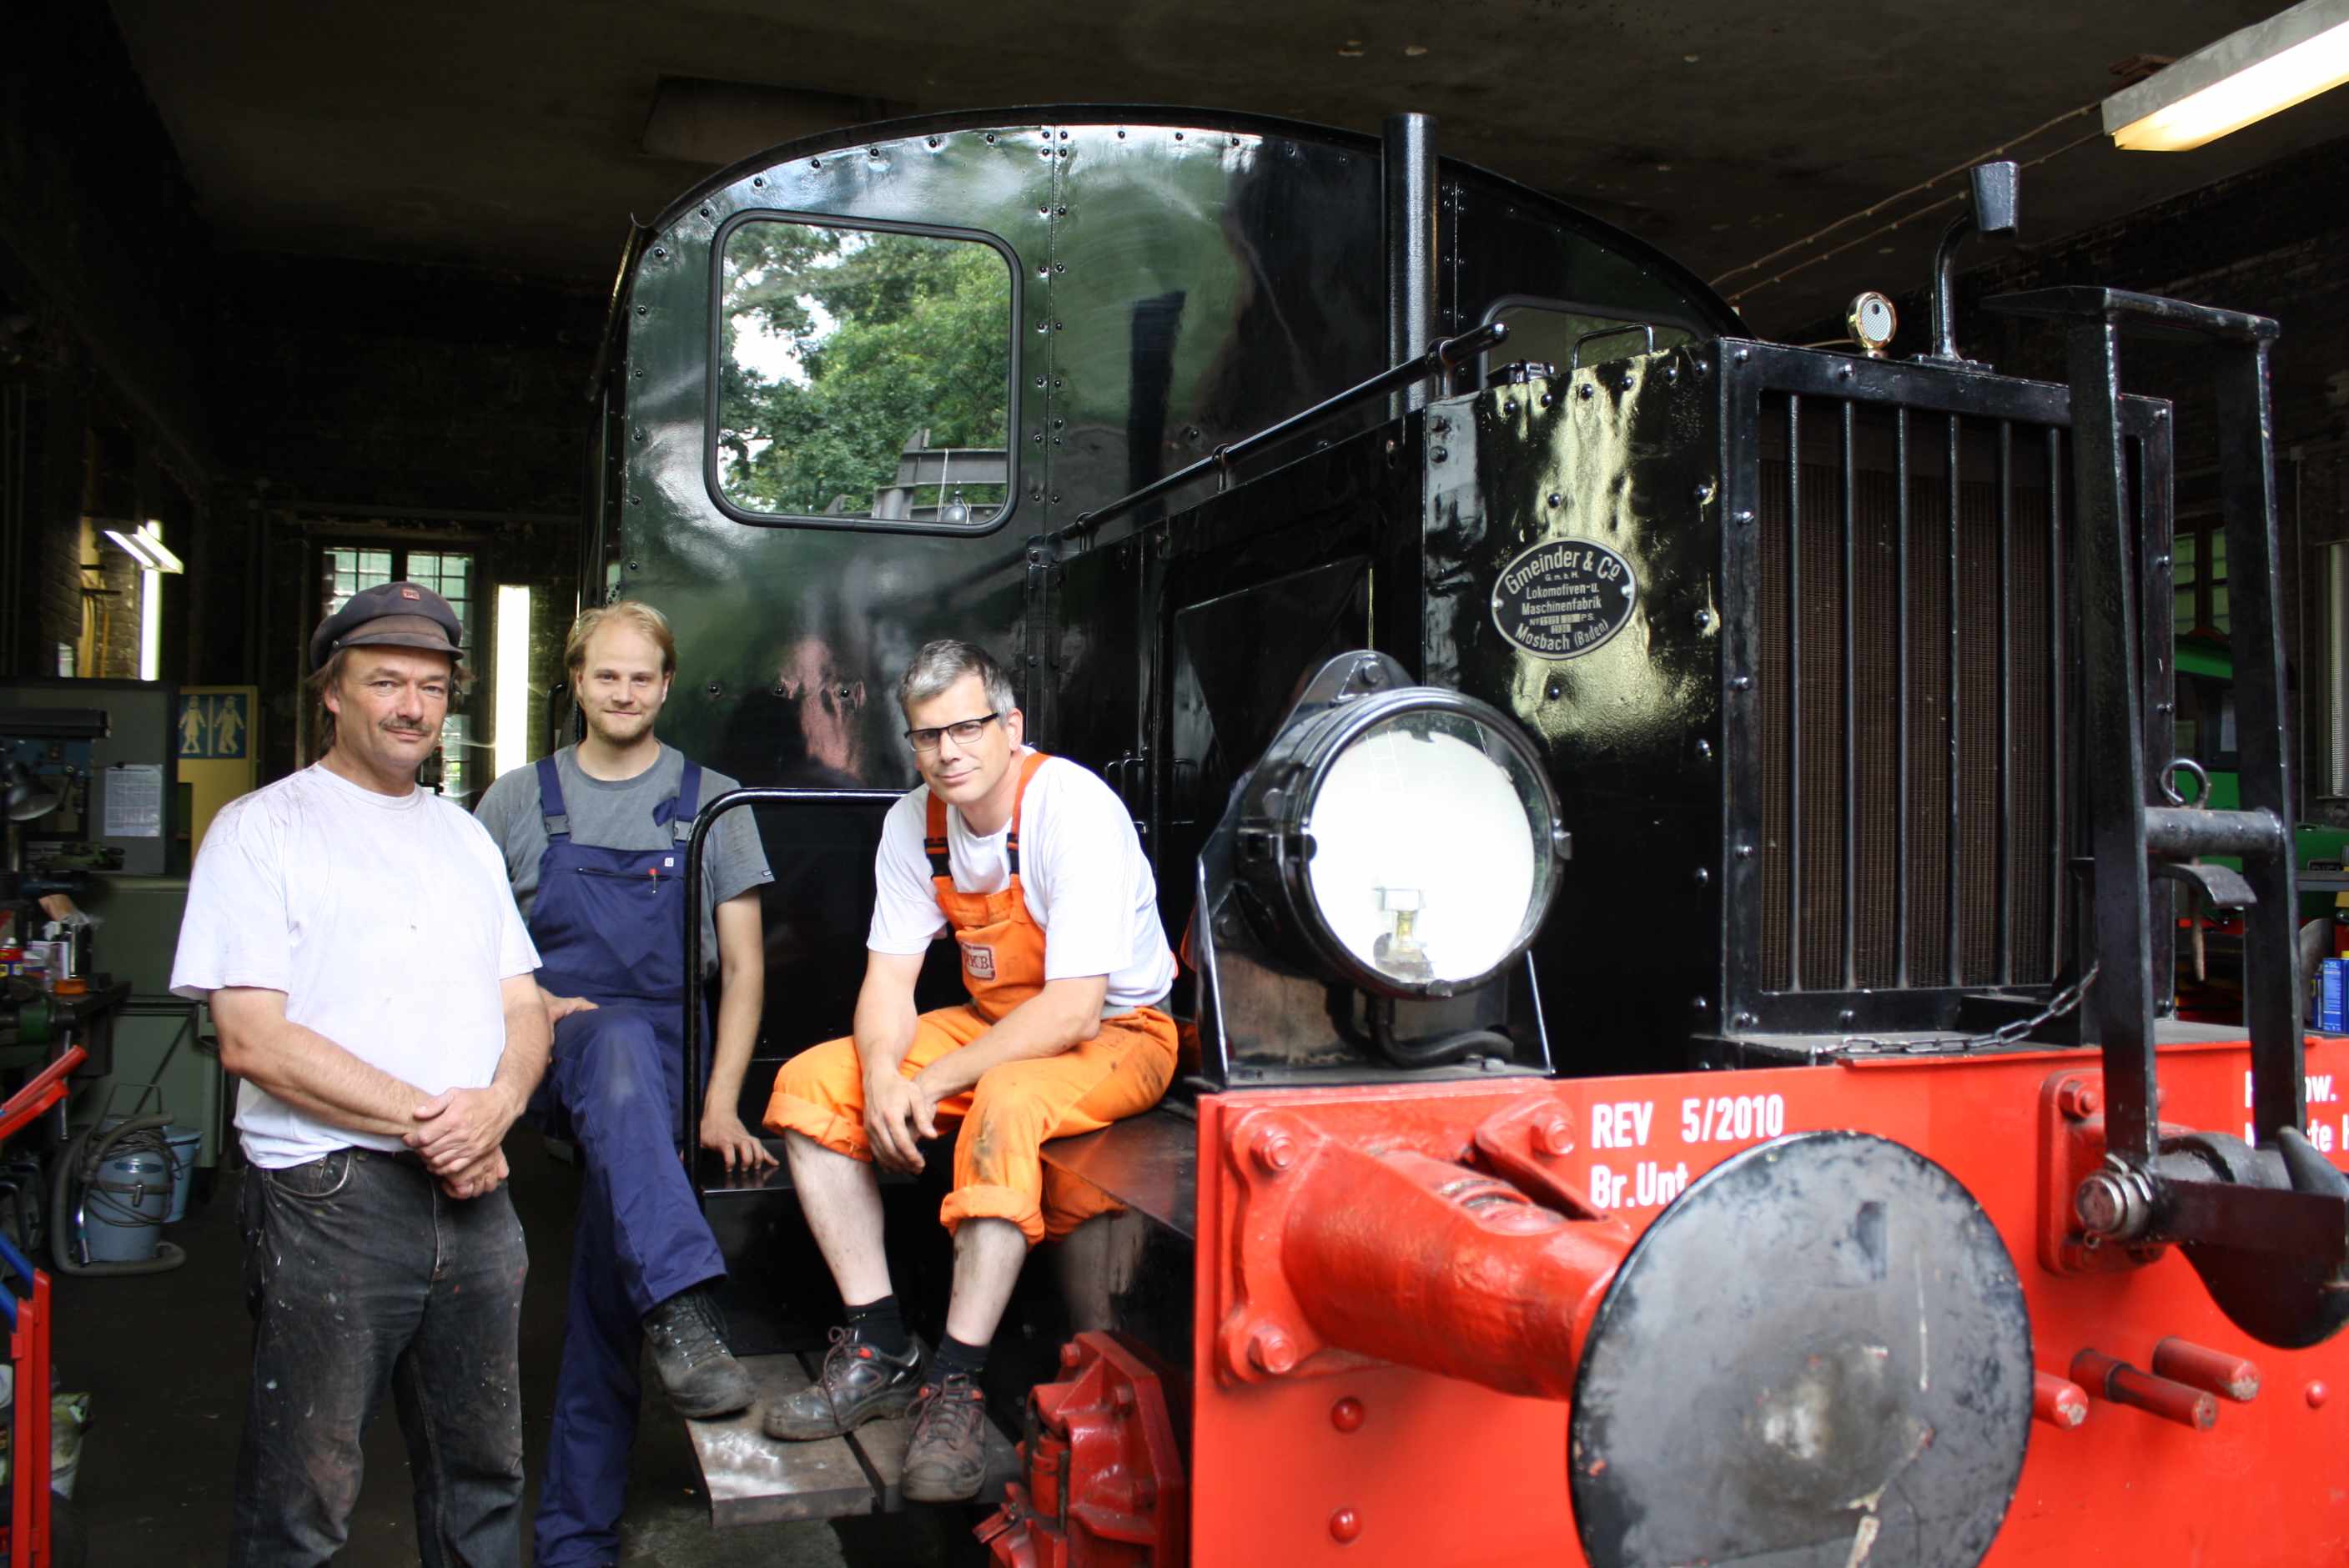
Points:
x=863 y=375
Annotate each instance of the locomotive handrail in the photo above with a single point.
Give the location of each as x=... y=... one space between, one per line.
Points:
x=769 y=795
x=2271 y=1236
x=1442 y=357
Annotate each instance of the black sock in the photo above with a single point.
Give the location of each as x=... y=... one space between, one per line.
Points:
x=953 y=1357
x=880 y=1324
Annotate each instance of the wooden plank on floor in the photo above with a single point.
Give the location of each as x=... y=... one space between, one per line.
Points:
x=752 y=1479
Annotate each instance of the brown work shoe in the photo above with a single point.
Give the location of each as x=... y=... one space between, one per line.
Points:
x=948 y=1457
x=858 y=1384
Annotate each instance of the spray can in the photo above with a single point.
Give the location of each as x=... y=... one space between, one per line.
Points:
x=2333 y=997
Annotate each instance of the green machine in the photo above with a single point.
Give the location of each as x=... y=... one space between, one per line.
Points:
x=2206 y=735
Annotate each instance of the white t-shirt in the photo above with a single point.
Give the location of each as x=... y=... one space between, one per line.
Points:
x=386 y=921
x=1082 y=870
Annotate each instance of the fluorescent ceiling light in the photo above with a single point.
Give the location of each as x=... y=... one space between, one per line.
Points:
x=511 y=746
x=146 y=547
x=134 y=546
x=2244 y=76
x=151 y=625
x=151 y=535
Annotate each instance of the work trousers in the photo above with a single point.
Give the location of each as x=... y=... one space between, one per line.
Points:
x=615 y=1087
x=361 y=1273
x=1006 y=1117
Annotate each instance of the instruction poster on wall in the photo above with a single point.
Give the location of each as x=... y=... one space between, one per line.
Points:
x=134 y=800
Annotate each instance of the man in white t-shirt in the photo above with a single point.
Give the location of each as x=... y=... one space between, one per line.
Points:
x=373 y=985
x=1032 y=865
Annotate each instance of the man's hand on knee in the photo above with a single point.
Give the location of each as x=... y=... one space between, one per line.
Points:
x=898 y=1114
x=461 y=1127
x=560 y=1007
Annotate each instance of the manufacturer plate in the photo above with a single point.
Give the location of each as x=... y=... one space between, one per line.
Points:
x=1564 y=597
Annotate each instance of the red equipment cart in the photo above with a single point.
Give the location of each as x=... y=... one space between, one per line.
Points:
x=29 y=1541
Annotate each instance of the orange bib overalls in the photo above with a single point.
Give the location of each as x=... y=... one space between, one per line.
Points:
x=1014 y=1108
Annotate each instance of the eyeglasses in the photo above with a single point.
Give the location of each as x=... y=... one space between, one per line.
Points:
x=965 y=732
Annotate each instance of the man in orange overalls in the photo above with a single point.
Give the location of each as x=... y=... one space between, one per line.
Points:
x=1033 y=864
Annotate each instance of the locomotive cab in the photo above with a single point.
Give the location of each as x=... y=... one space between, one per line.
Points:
x=1662 y=826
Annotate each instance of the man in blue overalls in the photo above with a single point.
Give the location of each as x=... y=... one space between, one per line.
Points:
x=595 y=842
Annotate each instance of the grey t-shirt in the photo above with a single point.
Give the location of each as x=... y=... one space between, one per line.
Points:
x=619 y=816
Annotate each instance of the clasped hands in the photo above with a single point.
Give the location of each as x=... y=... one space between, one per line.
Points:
x=899 y=1112
x=458 y=1133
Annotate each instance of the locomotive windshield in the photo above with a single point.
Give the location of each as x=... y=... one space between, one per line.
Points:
x=863 y=374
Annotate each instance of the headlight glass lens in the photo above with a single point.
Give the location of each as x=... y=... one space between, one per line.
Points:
x=1431 y=848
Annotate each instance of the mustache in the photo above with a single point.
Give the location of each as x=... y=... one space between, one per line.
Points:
x=393 y=727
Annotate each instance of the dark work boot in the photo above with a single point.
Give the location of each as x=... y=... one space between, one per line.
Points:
x=698 y=1372
x=858 y=1384
x=948 y=1457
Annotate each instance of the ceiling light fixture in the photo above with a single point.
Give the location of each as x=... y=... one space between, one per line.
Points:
x=2245 y=76
x=146 y=547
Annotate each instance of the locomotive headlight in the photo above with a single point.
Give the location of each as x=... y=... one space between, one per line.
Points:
x=1407 y=838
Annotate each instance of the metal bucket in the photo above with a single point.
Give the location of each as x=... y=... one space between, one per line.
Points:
x=123 y=1207
x=187 y=1145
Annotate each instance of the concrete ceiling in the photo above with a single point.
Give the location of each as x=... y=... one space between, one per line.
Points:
x=521 y=135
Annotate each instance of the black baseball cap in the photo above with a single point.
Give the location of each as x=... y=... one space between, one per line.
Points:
x=402 y=615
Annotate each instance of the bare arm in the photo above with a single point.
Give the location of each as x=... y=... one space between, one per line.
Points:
x=455 y=1129
x=742 y=998
x=885 y=1011
x=1063 y=1015
x=529 y=1038
x=305 y=1069
x=886 y=1016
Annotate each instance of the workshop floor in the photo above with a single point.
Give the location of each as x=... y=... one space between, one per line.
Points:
x=165 y=1358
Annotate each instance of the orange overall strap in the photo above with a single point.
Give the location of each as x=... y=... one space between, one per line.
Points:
x=934 y=828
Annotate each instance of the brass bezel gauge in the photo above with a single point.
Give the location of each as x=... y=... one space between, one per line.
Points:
x=1873 y=321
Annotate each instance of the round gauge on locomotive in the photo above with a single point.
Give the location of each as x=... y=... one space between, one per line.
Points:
x=1873 y=321
x=1413 y=842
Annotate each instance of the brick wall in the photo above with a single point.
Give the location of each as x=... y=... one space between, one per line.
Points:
x=102 y=308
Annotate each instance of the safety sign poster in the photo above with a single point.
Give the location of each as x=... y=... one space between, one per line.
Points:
x=214 y=724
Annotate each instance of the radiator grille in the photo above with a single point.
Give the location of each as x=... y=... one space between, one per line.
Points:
x=1915 y=782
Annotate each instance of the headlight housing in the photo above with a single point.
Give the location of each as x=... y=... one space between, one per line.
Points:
x=1406 y=838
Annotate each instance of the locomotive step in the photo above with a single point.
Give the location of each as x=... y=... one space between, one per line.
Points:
x=751 y=1479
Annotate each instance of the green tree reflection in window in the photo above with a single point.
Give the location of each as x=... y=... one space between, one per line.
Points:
x=863 y=375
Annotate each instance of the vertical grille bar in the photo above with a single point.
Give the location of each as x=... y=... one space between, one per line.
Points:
x=1957 y=741
x=1900 y=689
x=2059 y=680
x=2003 y=912
x=1850 y=744
x=1794 y=688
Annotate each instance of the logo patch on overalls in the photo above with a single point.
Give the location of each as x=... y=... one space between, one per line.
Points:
x=977 y=962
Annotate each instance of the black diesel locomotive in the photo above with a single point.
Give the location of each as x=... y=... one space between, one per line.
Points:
x=1663 y=827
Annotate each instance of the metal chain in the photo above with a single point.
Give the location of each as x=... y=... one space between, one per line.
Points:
x=2062 y=1002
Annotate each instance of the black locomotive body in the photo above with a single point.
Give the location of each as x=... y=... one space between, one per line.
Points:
x=1835 y=712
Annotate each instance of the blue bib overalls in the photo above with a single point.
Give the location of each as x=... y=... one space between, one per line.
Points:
x=610 y=926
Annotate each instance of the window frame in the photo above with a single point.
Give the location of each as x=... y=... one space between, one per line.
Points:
x=716 y=349
x=2205 y=527
x=1501 y=304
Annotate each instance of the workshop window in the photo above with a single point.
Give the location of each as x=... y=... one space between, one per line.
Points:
x=2197 y=559
x=864 y=376
x=348 y=570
